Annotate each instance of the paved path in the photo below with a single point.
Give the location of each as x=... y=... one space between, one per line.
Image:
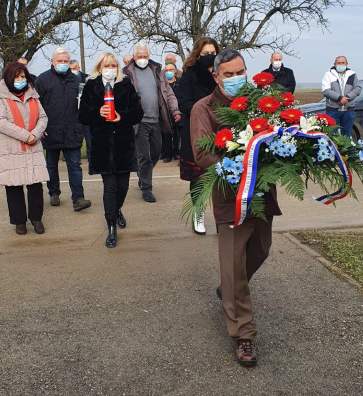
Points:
x=143 y=319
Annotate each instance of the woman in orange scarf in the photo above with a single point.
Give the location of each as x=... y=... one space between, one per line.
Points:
x=22 y=125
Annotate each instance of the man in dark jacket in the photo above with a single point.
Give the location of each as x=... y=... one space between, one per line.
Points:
x=75 y=69
x=158 y=102
x=58 y=91
x=283 y=76
x=242 y=249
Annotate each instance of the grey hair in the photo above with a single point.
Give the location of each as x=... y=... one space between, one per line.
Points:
x=73 y=62
x=225 y=56
x=341 y=56
x=276 y=53
x=60 y=51
x=141 y=45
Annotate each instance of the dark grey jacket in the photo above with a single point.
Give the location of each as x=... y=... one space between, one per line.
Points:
x=336 y=85
x=58 y=96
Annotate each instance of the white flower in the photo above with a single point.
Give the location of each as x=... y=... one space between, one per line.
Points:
x=308 y=124
x=231 y=146
x=245 y=136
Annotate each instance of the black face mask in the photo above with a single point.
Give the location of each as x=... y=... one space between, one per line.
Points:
x=207 y=60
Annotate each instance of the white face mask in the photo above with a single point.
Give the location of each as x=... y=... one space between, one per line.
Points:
x=109 y=74
x=276 y=64
x=142 y=63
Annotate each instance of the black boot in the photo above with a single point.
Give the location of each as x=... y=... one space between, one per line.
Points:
x=111 y=240
x=121 y=221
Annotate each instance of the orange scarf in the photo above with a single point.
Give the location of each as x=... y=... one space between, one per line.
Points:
x=19 y=120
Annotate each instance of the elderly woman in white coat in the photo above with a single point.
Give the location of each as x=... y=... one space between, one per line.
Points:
x=22 y=125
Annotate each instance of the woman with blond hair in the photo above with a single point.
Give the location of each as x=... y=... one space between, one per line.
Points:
x=22 y=163
x=112 y=142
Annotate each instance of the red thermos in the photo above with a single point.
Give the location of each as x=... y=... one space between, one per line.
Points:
x=109 y=101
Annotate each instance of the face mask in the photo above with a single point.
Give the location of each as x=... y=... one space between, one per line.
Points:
x=61 y=68
x=276 y=64
x=341 y=68
x=232 y=85
x=76 y=72
x=142 y=63
x=109 y=74
x=207 y=61
x=20 y=85
x=169 y=75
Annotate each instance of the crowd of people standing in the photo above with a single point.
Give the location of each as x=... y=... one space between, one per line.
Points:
x=159 y=112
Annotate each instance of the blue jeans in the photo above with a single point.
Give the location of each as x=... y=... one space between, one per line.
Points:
x=73 y=161
x=344 y=119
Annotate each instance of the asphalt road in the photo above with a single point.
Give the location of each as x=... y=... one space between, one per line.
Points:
x=143 y=319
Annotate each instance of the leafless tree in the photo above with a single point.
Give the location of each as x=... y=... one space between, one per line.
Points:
x=28 y=25
x=241 y=24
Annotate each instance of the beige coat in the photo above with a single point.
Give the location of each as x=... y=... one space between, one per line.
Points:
x=19 y=167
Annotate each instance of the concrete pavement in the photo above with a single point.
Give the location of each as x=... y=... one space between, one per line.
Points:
x=143 y=319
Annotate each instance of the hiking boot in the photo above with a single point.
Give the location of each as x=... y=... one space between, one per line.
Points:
x=81 y=204
x=54 y=200
x=246 y=353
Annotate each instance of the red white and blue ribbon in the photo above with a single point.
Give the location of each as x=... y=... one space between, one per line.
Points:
x=250 y=165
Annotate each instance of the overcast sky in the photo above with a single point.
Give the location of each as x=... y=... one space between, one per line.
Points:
x=316 y=50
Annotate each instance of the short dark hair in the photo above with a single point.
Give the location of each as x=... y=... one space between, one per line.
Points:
x=225 y=56
x=12 y=70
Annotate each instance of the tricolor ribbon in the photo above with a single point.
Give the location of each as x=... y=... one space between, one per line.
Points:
x=250 y=165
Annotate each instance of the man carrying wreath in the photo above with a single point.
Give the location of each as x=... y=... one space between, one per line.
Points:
x=243 y=248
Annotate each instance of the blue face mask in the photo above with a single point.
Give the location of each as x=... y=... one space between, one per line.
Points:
x=61 y=68
x=20 y=85
x=232 y=85
x=341 y=68
x=169 y=75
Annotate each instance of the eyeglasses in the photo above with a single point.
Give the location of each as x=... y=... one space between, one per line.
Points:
x=205 y=53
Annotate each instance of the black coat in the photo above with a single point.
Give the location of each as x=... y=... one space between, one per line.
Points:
x=195 y=83
x=284 y=77
x=58 y=96
x=112 y=144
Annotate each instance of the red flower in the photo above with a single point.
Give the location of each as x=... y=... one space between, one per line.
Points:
x=222 y=137
x=291 y=116
x=287 y=98
x=239 y=104
x=326 y=119
x=259 y=124
x=268 y=104
x=263 y=79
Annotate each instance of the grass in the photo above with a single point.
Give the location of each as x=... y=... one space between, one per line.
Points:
x=343 y=249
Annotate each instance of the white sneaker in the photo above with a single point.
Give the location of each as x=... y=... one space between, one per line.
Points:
x=198 y=224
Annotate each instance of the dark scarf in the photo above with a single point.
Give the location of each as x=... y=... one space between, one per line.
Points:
x=205 y=77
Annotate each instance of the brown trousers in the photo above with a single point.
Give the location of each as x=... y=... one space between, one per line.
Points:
x=242 y=250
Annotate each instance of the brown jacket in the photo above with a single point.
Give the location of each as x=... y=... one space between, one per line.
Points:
x=18 y=167
x=168 y=103
x=203 y=122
